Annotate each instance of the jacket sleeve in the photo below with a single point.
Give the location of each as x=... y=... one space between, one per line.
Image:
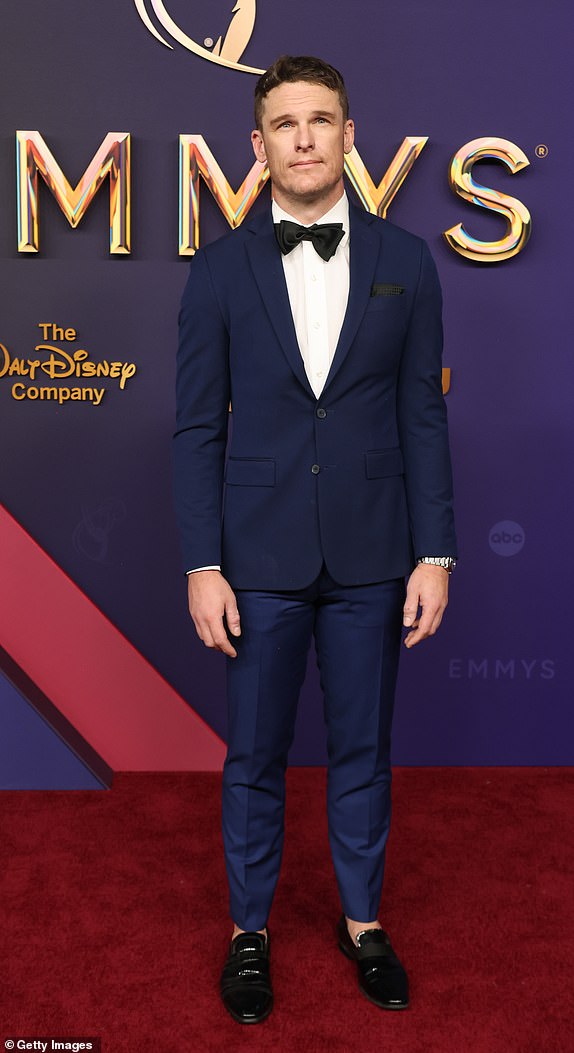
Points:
x=202 y=402
x=422 y=421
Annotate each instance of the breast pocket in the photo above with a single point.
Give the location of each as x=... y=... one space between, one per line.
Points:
x=250 y=471
x=391 y=302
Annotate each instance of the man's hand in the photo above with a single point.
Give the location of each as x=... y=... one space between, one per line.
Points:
x=427 y=588
x=211 y=598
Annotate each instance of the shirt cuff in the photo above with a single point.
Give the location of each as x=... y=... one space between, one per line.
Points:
x=197 y=569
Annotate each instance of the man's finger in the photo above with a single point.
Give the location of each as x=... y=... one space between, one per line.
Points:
x=426 y=626
x=423 y=628
x=410 y=608
x=415 y=637
x=227 y=648
x=218 y=639
x=211 y=632
x=437 y=620
x=232 y=617
x=421 y=632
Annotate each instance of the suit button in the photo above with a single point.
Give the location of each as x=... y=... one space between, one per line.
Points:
x=315 y=469
x=321 y=413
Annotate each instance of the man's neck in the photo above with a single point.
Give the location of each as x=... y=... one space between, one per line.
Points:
x=307 y=212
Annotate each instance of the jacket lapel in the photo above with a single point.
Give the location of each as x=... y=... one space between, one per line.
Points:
x=364 y=247
x=265 y=259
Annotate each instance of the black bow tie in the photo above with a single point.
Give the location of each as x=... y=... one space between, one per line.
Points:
x=325 y=236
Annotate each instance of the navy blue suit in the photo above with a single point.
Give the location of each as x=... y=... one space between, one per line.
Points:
x=313 y=497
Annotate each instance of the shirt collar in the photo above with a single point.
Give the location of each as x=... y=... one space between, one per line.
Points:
x=339 y=213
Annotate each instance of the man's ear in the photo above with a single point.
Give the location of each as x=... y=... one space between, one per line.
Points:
x=258 y=145
x=348 y=136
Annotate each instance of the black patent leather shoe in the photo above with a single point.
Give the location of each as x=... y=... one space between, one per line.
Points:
x=246 y=979
x=382 y=978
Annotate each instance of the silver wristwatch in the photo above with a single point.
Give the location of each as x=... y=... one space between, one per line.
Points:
x=447 y=562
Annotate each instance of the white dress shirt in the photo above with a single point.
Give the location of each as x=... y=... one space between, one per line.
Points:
x=318 y=293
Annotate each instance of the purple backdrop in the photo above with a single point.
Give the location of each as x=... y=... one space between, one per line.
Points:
x=92 y=485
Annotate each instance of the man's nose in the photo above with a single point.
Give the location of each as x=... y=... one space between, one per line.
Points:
x=304 y=139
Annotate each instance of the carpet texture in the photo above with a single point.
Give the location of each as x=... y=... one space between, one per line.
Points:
x=115 y=918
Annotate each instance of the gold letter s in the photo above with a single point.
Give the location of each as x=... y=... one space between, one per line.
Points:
x=516 y=214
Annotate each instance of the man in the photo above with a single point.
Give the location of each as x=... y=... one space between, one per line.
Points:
x=322 y=325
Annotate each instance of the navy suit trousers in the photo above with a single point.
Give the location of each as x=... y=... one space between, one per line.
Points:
x=357 y=632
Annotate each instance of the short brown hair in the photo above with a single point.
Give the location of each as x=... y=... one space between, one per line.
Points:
x=290 y=68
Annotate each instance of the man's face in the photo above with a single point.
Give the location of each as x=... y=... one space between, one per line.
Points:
x=304 y=139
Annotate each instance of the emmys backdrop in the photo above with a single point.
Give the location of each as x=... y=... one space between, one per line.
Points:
x=125 y=144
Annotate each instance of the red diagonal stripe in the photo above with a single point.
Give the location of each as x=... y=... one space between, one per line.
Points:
x=130 y=715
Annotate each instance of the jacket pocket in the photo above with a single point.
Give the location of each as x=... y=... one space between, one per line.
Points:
x=392 y=303
x=250 y=471
x=381 y=463
x=387 y=289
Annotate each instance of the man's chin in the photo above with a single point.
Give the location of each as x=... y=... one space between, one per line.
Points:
x=311 y=191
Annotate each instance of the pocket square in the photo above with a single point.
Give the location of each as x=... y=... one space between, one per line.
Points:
x=387 y=289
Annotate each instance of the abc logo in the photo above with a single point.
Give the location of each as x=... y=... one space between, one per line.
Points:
x=506 y=538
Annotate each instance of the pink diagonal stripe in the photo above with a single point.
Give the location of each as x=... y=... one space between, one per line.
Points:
x=111 y=694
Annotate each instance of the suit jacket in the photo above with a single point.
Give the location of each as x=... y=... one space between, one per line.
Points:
x=359 y=478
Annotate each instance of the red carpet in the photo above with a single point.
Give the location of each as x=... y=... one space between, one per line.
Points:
x=115 y=917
